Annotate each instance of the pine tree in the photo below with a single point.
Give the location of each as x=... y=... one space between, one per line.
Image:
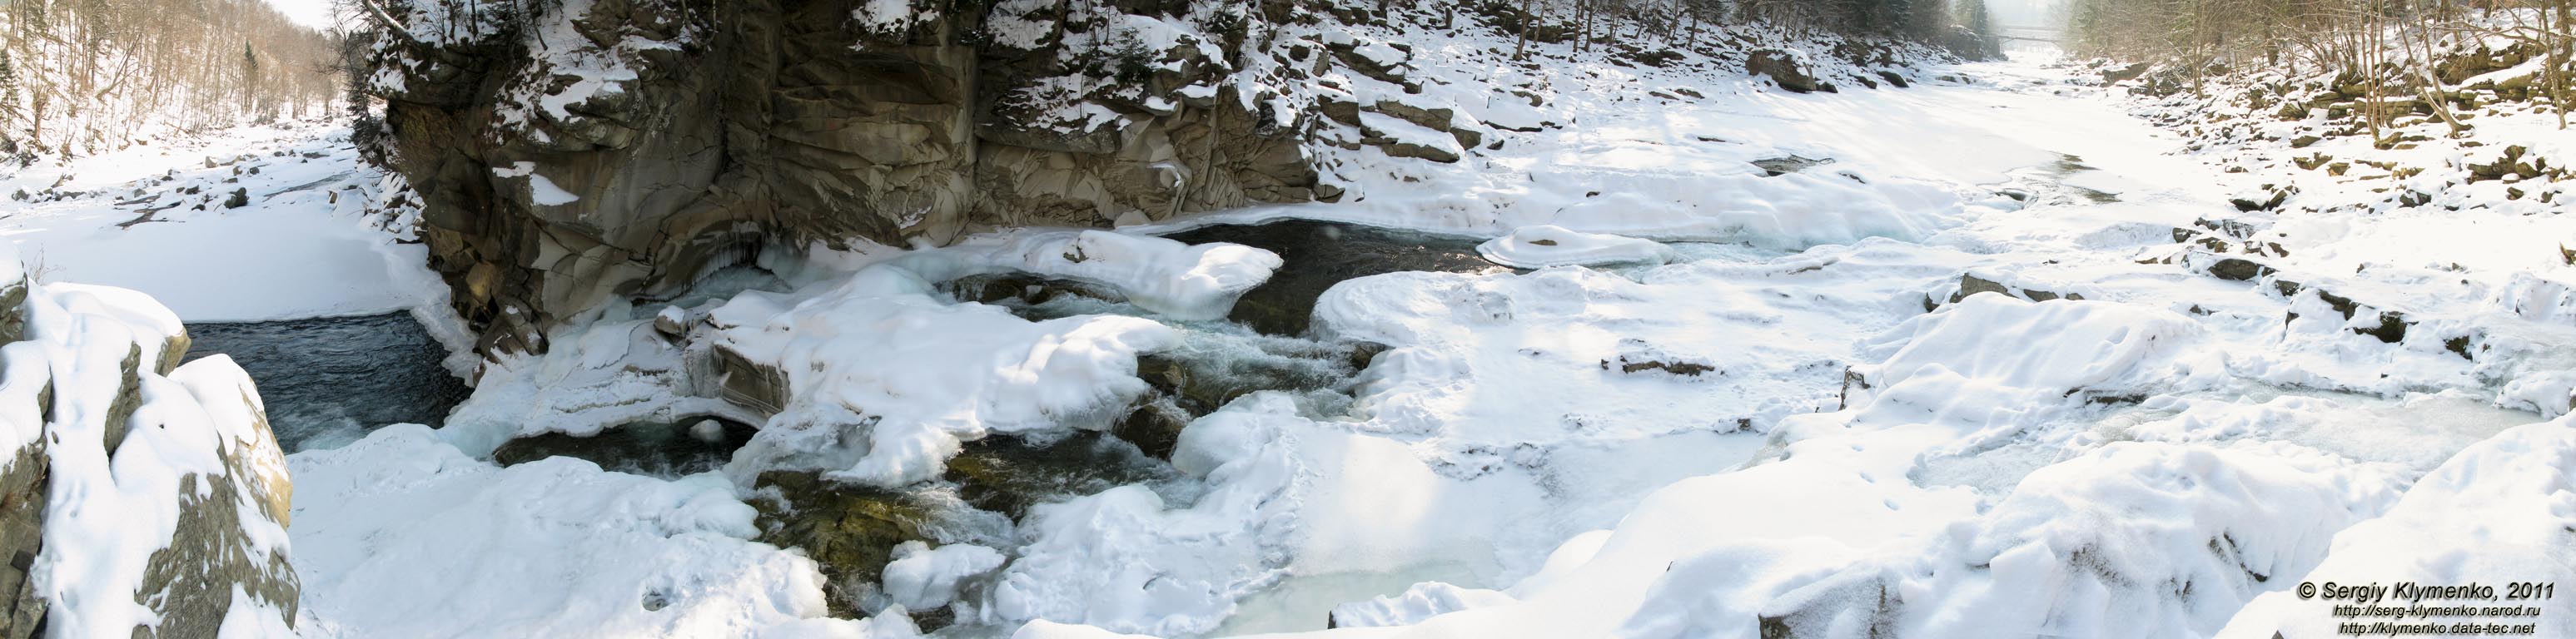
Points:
x=8 y=94
x=250 y=79
x=1973 y=15
x=8 y=106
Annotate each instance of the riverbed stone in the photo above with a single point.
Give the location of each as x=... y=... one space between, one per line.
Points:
x=849 y=530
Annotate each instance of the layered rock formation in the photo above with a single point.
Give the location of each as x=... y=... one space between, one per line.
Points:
x=625 y=147
x=137 y=496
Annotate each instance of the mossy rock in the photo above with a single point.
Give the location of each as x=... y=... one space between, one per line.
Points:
x=1009 y=474
x=850 y=530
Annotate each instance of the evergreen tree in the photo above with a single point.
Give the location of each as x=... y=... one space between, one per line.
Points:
x=249 y=79
x=1973 y=16
x=8 y=94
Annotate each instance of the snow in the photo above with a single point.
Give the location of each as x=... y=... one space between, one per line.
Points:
x=1417 y=603
x=400 y=534
x=303 y=247
x=860 y=405
x=1121 y=559
x=1172 y=279
x=885 y=15
x=543 y=192
x=1722 y=396
x=1989 y=357
x=106 y=512
x=2497 y=513
x=317 y=15
x=925 y=578
x=1546 y=245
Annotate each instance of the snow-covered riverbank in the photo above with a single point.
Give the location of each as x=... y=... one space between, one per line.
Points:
x=1963 y=369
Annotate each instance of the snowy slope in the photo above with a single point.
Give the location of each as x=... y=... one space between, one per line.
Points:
x=156 y=218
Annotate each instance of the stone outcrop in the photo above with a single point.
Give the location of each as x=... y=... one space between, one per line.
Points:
x=1971 y=284
x=199 y=460
x=624 y=151
x=1785 y=69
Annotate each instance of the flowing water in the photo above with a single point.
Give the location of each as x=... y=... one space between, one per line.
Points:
x=328 y=380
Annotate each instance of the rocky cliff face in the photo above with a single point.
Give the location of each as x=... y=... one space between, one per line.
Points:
x=137 y=496
x=624 y=147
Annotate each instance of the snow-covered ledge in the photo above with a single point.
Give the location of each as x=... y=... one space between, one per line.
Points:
x=150 y=495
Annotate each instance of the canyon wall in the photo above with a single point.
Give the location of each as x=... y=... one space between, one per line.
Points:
x=625 y=147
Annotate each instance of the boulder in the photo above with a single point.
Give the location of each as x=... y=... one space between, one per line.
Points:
x=849 y=530
x=71 y=403
x=1784 y=68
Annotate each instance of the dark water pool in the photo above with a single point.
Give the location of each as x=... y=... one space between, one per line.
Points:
x=658 y=449
x=1321 y=254
x=329 y=380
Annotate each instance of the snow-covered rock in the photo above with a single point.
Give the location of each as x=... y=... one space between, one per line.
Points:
x=2497 y=514
x=844 y=366
x=1417 y=603
x=401 y=534
x=1991 y=355
x=2131 y=540
x=1548 y=245
x=138 y=496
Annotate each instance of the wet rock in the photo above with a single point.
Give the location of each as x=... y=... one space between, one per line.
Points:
x=1020 y=290
x=660 y=449
x=1007 y=475
x=1202 y=382
x=747 y=383
x=849 y=530
x=1154 y=425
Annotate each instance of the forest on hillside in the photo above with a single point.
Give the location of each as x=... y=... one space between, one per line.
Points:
x=2385 y=49
x=80 y=77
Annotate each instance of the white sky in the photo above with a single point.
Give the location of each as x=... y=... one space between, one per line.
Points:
x=2019 y=13
x=315 y=14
